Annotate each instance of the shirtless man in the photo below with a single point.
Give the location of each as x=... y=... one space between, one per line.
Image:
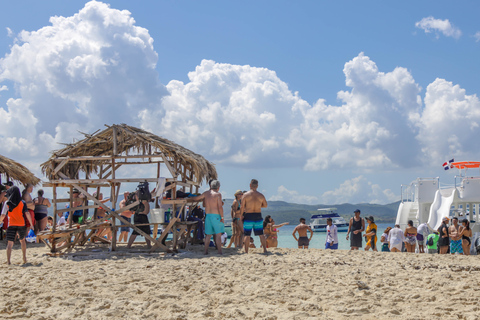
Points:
x=455 y=238
x=303 y=240
x=237 y=225
x=251 y=208
x=214 y=223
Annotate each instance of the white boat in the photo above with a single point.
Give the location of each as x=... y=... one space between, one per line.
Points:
x=426 y=201
x=318 y=222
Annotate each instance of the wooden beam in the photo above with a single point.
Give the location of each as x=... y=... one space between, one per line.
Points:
x=108 y=158
x=77 y=208
x=60 y=166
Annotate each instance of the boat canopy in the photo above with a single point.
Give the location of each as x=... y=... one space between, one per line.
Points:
x=466 y=164
x=325 y=215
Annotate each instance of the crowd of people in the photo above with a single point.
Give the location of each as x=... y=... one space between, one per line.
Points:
x=26 y=213
x=448 y=238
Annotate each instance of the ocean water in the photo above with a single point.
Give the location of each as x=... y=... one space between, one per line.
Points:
x=286 y=240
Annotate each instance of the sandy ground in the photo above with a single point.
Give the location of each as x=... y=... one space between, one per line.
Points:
x=285 y=284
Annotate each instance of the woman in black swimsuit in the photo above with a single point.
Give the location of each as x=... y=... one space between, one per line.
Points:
x=41 y=211
x=466 y=234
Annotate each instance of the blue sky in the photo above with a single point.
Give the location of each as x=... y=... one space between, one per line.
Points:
x=308 y=46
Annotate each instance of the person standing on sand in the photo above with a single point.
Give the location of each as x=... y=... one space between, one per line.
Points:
x=432 y=242
x=443 y=241
x=466 y=233
x=141 y=217
x=410 y=237
x=237 y=225
x=17 y=210
x=303 y=240
x=214 y=222
x=384 y=240
x=251 y=208
x=371 y=234
x=332 y=235
x=127 y=215
x=270 y=230
x=396 y=239
x=422 y=233
x=455 y=237
x=356 y=226
x=27 y=197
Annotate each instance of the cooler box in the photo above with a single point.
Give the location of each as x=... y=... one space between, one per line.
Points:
x=157 y=215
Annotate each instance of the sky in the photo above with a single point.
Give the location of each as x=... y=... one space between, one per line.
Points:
x=322 y=102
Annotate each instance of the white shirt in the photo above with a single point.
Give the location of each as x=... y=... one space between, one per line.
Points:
x=423 y=229
x=61 y=221
x=396 y=238
x=332 y=236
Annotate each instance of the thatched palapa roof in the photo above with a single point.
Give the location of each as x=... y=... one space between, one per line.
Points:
x=17 y=172
x=130 y=141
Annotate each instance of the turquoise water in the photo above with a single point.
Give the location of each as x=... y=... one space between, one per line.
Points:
x=286 y=240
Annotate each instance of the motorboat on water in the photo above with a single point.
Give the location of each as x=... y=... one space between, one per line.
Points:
x=425 y=200
x=318 y=222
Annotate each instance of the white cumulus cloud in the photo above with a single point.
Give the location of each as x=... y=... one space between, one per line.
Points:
x=292 y=196
x=80 y=72
x=372 y=128
x=477 y=36
x=359 y=190
x=437 y=26
x=230 y=113
x=449 y=126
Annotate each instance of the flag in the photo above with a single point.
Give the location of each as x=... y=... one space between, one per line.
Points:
x=448 y=164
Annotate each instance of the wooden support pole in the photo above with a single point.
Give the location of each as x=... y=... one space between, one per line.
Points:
x=54 y=205
x=70 y=215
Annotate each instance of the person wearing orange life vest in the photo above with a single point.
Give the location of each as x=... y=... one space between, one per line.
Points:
x=17 y=211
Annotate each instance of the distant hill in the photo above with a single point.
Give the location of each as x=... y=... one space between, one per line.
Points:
x=292 y=212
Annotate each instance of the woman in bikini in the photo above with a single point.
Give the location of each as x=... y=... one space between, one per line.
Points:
x=237 y=224
x=270 y=230
x=410 y=237
x=466 y=232
x=41 y=211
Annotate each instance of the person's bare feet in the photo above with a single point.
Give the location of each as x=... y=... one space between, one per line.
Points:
x=205 y=253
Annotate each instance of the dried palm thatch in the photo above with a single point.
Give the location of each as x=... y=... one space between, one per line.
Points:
x=16 y=171
x=129 y=141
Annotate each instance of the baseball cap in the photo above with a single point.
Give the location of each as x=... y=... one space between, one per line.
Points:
x=8 y=183
x=356 y=210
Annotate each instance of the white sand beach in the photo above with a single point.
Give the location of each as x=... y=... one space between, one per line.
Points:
x=285 y=284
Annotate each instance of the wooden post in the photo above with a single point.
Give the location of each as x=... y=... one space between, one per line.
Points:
x=70 y=213
x=54 y=205
x=113 y=198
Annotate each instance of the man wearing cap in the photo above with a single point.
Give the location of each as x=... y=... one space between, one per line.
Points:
x=443 y=232
x=356 y=226
x=237 y=224
x=8 y=184
x=3 y=191
x=332 y=235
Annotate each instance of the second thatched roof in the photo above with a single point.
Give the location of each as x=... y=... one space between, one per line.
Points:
x=130 y=140
x=17 y=172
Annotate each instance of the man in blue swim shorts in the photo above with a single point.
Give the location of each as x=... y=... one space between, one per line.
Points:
x=214 y=224
x=455 y=239
x=251 y=207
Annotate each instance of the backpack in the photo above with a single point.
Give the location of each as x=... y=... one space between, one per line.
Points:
x=144 y=191
x=430 y=241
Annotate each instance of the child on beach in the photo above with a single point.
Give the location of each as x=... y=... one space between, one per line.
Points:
x=303 y=240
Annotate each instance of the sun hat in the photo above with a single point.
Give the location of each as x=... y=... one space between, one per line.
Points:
x=370 y=218
x=445 y=219
x=237 y=192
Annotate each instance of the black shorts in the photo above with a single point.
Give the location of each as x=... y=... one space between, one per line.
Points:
x=303 y=241
x=140 y=219
x=13 y=230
